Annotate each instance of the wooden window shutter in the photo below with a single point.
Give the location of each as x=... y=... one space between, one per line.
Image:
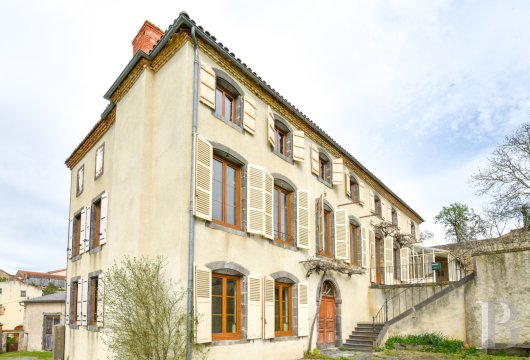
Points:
x=341 y=235
x=101 y=301
x=347 y=181
x=256 y=199
x=255 y=307
x=249 y=117
x=319 y=213
x=383 y=210
x=67 y=304
x=404 y=253
x=372 y=201
x=103 y=218
x=269 y=205
x=270 y=126
x=88 y=224
x=203 y=179
x=303 y=308
x=298 y=146
x=373 y=264
x=302 y=221
x=390 y=213
x=338 y=170
x=389 y=260
x=207 y=86
x=99 y=160
x=314 y=160
x=82 y=231
x=362 y=193
x=84 y=303
x=70 y=236
x=364 y=248
x=398 y=219
x=268 y=307
x=203 y=304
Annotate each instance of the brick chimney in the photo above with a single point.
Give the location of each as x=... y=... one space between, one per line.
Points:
x=147 y=37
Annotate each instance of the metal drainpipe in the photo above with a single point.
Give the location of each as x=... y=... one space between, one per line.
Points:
x=191 y=243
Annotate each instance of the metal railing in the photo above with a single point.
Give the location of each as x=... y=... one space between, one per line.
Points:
x=418 y=273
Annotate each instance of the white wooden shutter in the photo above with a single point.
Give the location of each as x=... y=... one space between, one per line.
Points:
x=364 y=248
x=70 y=236
x=99 y=160
x=203 y=178
x=207 y=86
x=79 y=302
x=404 y=253
x=249 y=117
x=203 y=304
x=319 y=212
x=372 y=201
x=103 y=218
x=373 y=264
x=347 y=181
x=362 y=193
x=314 y=160
x=100 y=301
x=338 y=170
x=269 y=205
x=398 y=219
x=302 y=221
x=82 y=231
x=298 y=146
x=268 y=307
x=88 y=223
x=271 y=133
x=67 y=304
x=389 y=260
x=341 y=235
x=389 y=212
x=255 y=307
x=303 y=308
x=255 y=199
x=451 y=267
x=383 y=210
x=84 y=308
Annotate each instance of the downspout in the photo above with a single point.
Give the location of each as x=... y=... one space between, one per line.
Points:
x=191 y=242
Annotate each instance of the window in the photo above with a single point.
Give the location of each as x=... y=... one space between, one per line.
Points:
x=412 y=230
x=226 y=307
x=93 y=301
x=354 y=190
x=226 y=194
x=377 y=206
x=73 y=303
x=0 y=290
x=280 y=143
x=282 y=215
x=326 y=246
x=80 y=180
x=324 y=172
x=355 y=244
x=95 y=224
x=22 y=293
x=99 y=160
x=283 y=306
x=77 y=235
x=394 y=217
x=227 y=101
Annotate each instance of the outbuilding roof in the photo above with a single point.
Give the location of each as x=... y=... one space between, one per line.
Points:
x=57 y=297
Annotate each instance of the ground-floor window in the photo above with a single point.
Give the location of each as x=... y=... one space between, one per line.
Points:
x=226 y=307
x=283 y=308
x=74 y=298
x=93 y=302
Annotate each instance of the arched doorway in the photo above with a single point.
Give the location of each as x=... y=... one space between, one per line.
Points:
x=326 y=320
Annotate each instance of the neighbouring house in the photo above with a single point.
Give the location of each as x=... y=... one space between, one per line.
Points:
x=57 y=278
x=5 y=275
x=41 y=315
x=12 y=294
x=273 y=198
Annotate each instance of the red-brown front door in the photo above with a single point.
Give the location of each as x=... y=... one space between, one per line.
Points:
x=327 y=321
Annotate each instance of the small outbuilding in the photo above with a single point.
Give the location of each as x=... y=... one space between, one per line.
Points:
x=41 y=314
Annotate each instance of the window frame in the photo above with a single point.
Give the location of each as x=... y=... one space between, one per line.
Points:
x=76 y=241
x=394 y=216
x=354 y=244
x=238 y=190
x=226 y=93
x=73 y=302
x=325 y=170
x=327 y=233
x=92 y=318
x=378 y=209
x=225 y=335
x=354 y=190
x=23 y=293
x=95 y=224
x=413 y=230
x=282 y=285
x=278 y=208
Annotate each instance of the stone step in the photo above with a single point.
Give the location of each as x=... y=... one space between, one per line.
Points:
x=366 y=331
x=362 y=337
x=358 y=347
x=364 y=342
x=369 y=325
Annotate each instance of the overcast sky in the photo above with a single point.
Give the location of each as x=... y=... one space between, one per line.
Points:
x=418 y=91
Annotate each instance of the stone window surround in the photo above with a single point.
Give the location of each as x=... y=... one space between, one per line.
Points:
x=238 y=126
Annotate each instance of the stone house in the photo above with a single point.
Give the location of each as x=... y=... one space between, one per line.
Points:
x=40 y=316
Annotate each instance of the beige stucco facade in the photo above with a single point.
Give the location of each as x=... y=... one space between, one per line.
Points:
x=34 y=322
x=11 y=298
x=147 y=172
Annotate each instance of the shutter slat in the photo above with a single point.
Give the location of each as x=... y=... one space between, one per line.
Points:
x=270 y=127
x=256 y=199
x=341 y=235
x=268 y=308
x=389 y=260
x=103 y=219
x=338 y=170
x=207 y=86
x=255 y=307
x=302 y=214
x=249 y=117
x=314 y=160
x=303 y=308
x=298 y=146
x=203 y=304
x=203 y=178
x=269 y=206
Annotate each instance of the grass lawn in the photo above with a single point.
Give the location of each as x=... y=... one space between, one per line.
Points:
x=407 y=354
x=27 y=354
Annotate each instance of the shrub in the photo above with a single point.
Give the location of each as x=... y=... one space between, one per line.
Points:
x=432 y=342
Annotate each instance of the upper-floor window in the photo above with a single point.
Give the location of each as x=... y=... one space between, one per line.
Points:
x=355 y=244
x=227 y=101
x=76 y=235
x=394 y=216
x=412 y=230
x=280 y=144
x=22 y=293
x=283 y=307
x=93 y=301
x=326 y=246
x=226 y=307
x=226 y=193
x=283 y=138
x=95 y=224
x=80 y=180
x=377 y=206
x=100 y=153
x=74 y=298
x=282 y=215
x=354 y=190
x=324 y=170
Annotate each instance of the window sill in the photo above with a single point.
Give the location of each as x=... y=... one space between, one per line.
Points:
x=228 y=342
x=285 y=338
x=96 y=249
x=229 y=123
x=215 y=226
x=283 y=157
x=75 y=258
x=93 y=328
x=74 y=327
x=324 y=182
x=284 y=245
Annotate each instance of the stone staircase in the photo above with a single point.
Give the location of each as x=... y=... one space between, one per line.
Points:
x=363 y=337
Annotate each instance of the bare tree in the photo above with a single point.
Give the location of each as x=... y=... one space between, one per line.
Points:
x=144 y=315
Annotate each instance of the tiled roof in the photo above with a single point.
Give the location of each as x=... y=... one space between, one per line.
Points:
x=56 y=297
x=21 y=274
